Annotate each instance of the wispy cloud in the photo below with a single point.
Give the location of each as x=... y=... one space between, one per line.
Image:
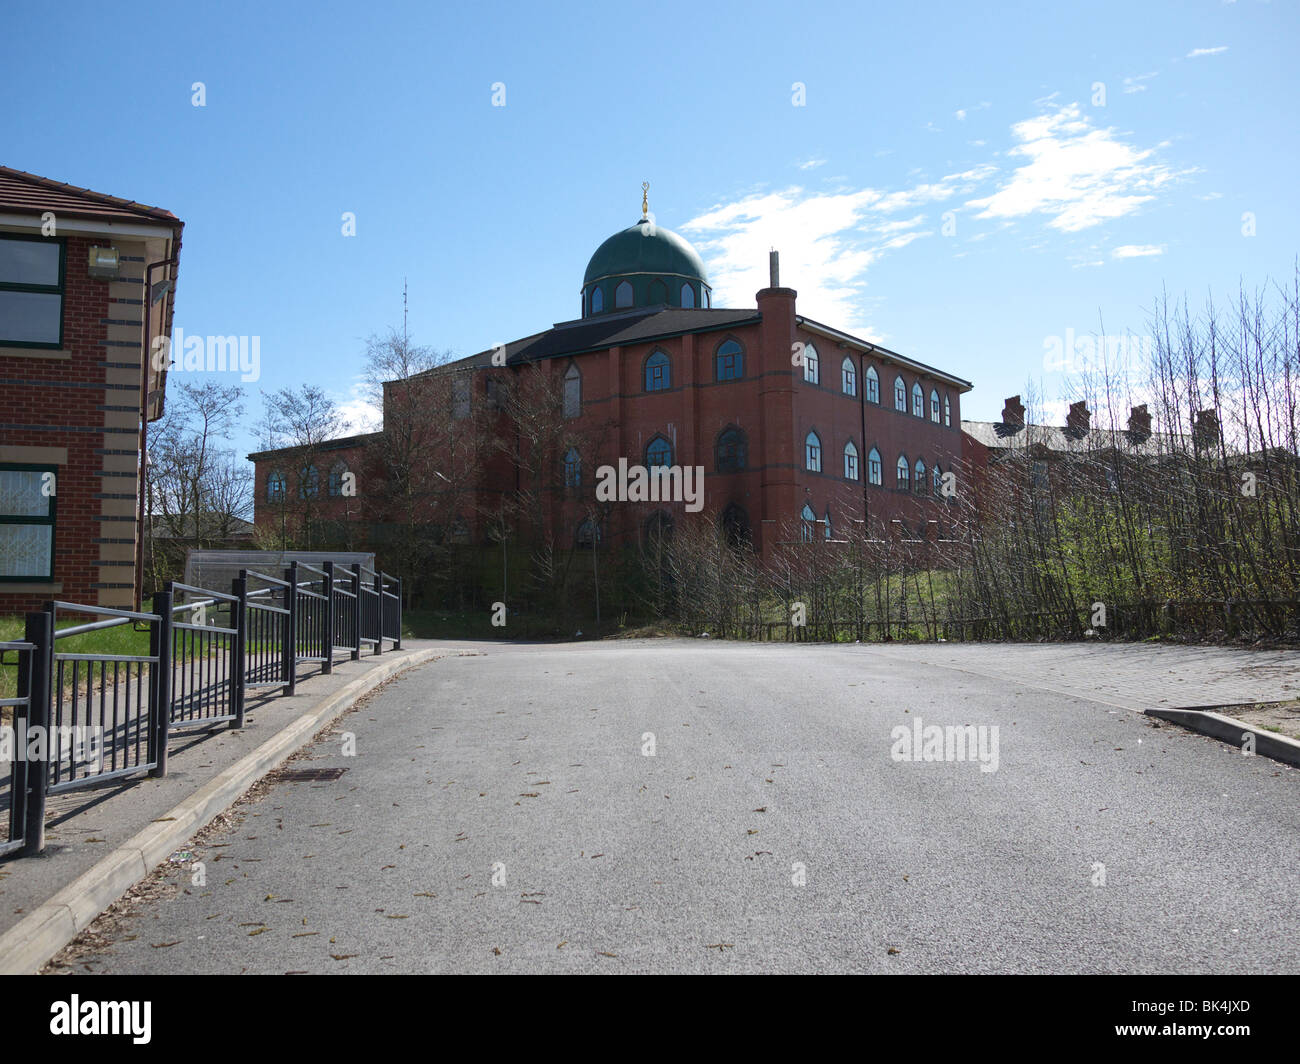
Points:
x=1078 y=174
x=1136 y=83
x=811 y=164
x=1137 y=251
x=827 y=240
x=1196 y=53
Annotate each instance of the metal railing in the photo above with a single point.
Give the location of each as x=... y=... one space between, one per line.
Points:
x=106 y=716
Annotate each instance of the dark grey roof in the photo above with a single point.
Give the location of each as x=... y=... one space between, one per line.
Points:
x=998 y=436
x=340 y=443
x=637 y=326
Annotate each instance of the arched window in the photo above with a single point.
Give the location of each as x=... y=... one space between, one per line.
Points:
x=900 y=395
x=827 y=529
x=729 y=361
x=873 y=385
x=572 y=391
x=460 y=397
x=934 y=406
x=812 y=453
x=309 y=482
x=658 y=291
x=731 y=451
x=937 y=480
x=918 y=400
x=275 y=487
x=597 y=300
x=920 y=476
x=623 y=294
x=811 y=365
x=903 y=472
x=708 y=297
x=658 y=528
x=588 y=534
x=658 y=373
x=873 y=467
x=658 y=453
x=807 y=519
x=735 y=525
x=338 y=471
x=572 y=468
x=688 y=297
x=850 y=461
x=848 y=377
x=947 y=411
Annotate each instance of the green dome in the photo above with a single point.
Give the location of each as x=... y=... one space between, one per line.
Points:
x=645 y=248
x=645 y=265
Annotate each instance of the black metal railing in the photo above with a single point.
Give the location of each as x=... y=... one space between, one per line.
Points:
x=105 y=716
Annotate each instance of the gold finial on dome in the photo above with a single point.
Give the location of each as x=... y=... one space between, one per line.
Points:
x=645 y=199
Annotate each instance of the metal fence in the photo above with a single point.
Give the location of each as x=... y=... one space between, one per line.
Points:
x=79 y=719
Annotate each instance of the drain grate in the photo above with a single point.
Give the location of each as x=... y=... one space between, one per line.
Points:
x=311 y=775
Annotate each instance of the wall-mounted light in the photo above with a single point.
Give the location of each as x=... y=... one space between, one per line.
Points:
x=104 y=264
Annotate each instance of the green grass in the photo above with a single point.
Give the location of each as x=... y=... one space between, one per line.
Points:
x=124 y=639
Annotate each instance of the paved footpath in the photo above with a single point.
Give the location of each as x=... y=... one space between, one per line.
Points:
x=502 y=813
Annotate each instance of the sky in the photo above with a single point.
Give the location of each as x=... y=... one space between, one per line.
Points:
x=966 y=184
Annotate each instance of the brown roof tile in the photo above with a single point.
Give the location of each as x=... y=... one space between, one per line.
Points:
x=24 y=193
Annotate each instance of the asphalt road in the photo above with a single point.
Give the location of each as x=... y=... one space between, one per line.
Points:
x=501 y=815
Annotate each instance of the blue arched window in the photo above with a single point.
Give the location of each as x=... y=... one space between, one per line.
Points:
x=275 y=487
x=873 y=467
x=337 y=472
x=873 y=385
x=918 y=400
x=850 y=461
x=572 y=468
x=920 y=476
x=729 y=362
x=903 y=473
x=658 y=453
x=812 y=453
x=623 y=294
x=938 y=480
x=731 y=451
x=597 y=300
x=848 y=377
x=309 y=483
x=947 y=411
x=811 y=365
x=688 y=297
x=807 y=519
x=934 y=406
x=900 y=395
x=658 y=373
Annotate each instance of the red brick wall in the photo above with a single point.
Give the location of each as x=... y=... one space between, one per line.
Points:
x=49 y=415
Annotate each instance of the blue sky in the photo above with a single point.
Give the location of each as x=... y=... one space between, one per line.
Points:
x=962 y=182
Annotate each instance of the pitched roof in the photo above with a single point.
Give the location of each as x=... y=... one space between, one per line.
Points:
x=999 y=436
x=24 y=193
x=641 y=325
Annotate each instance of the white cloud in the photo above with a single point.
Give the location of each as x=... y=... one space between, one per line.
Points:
x=811 y=164
x=827 y=240
x=1078 y=174
x=361 y=413
x=1137 y=251
x=1135 y=83
x=1196 y=53
x=961 y=115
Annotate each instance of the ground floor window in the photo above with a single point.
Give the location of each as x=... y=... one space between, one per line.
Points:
x=27 y=497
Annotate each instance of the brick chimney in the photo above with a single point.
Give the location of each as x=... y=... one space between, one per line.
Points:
x=1013 y=413
x=1078 y=420
x=1205 y=429
x=1139 y=424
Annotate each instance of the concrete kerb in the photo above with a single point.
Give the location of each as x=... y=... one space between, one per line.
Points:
x=27 y=946
x=1207 y=722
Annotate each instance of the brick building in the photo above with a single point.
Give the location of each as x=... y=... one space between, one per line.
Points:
x=85 y=280
x=802 y=429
